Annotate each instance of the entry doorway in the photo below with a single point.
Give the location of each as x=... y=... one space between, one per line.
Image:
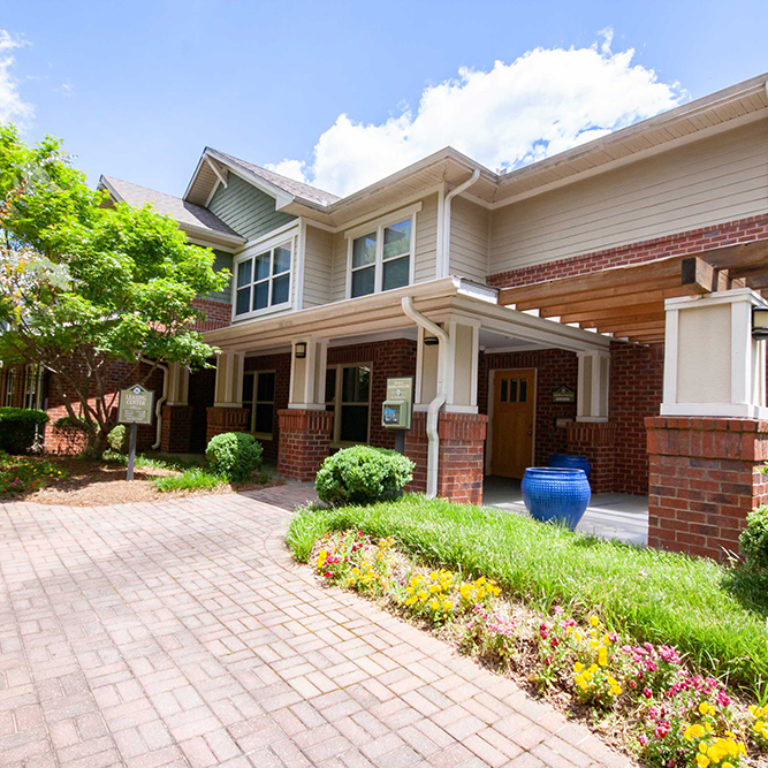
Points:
x=514 y=407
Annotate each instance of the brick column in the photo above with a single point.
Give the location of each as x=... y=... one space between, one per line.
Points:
x=462 y=455
x=704 y=479
x=176 y=429
x=305 y=438
x=220 y=420
x=595 y=440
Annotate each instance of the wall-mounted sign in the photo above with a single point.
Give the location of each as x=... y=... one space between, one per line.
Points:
x=563 y=394
x=396 y=409
x=135 y=405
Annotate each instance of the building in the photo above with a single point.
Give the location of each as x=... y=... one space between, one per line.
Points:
x=597 y=302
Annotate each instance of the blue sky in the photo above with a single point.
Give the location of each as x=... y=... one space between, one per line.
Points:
x=137 y=89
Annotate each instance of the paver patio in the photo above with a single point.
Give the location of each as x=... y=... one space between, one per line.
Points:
x=182 y=634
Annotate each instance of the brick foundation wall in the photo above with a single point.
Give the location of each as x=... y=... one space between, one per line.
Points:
x=305 y=438
x=461 y=456
x=281 y=365
x=175 y=429
x=220 y=420
x=64 y=441
x=704 y=479
x=554 y=368
x=596 y=441
x=680 y=244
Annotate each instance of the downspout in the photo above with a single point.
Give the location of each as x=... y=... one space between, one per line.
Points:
x=445 y=266
x=160 y=403
x=433 y=437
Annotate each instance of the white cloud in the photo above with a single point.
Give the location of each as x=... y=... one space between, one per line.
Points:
x=12 y=107
x=542 y=103
x=293 y=169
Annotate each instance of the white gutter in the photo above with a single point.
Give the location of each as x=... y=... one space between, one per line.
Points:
x=445 y=257
x=160 y=402
x=433 y=437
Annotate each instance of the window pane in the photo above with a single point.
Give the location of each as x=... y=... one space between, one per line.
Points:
x=262 y=266
x=349 y=385
x=396 y=273
x=282 y=260
x=263 y=420
x=363 y=384
x=503 y=397
x=244 y=273
x=397 y=239
x=330 y=385
x=280 y=289
x=243 y=300
x=247 y=387
x=513 y=390
x=265 y=388
x=260 y=295
x=362 y=281
x=354 y=423
x=364 y=250
x=523 y=390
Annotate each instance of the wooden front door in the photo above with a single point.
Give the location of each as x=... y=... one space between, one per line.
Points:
x=514 y=398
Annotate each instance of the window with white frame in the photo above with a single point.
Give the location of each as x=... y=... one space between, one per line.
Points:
x=33 y=386
x=263 y=281
x=381 y=259
x=259 y=398
x=10 y=386
x=348 y=395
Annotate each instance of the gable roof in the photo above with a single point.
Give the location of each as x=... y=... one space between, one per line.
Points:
x=193 y=219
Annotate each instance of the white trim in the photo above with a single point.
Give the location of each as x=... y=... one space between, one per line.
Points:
x=213 y=192
x=257 y=241
x=387 y=218
x=320 y=225
x=222 y=180
x=733 y=410
x=440 y=235
x=301 y=244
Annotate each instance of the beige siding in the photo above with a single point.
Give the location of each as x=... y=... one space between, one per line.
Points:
x=470 y=227
x=425 y=250
x=318 y=263
x=712 y=181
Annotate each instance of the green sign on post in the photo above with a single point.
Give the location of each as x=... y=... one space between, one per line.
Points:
x=135 y=408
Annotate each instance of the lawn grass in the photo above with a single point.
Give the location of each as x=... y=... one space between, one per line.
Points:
x=190 y=479
x=142 y=460
x=713 y=614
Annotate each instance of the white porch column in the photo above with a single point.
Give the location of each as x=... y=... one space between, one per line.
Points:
x=228 y=392
x=307 y=386
x=712 y=365
x=178 y=385
x=593 y=386
x=460 y=359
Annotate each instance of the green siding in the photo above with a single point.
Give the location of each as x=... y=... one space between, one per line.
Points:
x=223 y=261
x=249 y=211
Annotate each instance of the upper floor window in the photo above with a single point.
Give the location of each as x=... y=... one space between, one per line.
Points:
x=381 y=259
x=263 y=281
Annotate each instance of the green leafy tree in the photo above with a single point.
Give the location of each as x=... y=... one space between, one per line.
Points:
x=84 y=284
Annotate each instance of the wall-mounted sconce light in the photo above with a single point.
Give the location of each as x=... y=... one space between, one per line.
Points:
x=759 y=323
x=301 y=350
x=431 y=341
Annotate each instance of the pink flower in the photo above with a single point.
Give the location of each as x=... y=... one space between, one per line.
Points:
x=643 y=739
x=723 y=699
x=648 y=693
x=558 y=609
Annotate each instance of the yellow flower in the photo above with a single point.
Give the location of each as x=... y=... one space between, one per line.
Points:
x=434 y=588
x=433 y=576
x=465 y=591
x=578 y=667
x=434 y=605
x=593 y=620
x=705 y=707
x=702 y=761
x=447 y=605
x=321 y=558
x=410 y=601
x=602 y=657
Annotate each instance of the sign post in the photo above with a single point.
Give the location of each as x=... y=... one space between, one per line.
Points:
x=135 y=408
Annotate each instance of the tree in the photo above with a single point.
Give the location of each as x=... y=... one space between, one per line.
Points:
x=84 y=284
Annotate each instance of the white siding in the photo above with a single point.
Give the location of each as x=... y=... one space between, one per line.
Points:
x=318 y=263
x=470 y=227
x=710 y=182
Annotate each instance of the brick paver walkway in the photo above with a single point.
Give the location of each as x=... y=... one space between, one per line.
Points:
x=181 y=634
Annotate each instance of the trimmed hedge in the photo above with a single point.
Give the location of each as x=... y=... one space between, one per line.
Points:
x=118 y=438
x=234 y=455
x=363 y=475
x=17 y=428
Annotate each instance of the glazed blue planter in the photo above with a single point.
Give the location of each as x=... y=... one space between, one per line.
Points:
x=567 y=461
x=556 y=494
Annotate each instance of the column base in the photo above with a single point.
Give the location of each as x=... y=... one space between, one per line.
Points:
x=220 y=420
x=595 y=440
x=704 y=479
x=305 y=439
x=175 y=432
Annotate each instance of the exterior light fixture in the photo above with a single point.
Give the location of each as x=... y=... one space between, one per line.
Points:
x=301 y=350
x=431 y=341
x=760 y=322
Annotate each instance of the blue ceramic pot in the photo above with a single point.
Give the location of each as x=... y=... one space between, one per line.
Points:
x=557 y=495
x=567 y=461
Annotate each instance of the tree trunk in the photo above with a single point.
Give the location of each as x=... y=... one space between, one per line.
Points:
x=97 y=443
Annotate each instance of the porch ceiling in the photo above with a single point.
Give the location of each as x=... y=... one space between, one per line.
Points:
x=628 y=302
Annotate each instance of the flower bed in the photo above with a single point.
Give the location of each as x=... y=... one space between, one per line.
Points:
x=645 y=698
x=21 y=474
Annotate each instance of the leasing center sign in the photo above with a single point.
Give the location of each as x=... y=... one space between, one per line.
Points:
x=135 y=405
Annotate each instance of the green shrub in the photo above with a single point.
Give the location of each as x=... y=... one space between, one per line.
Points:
x=67 y=422
x=234 y=455
x=118 y=438
x=18 y=427
x=363 y=475
x=754 y=540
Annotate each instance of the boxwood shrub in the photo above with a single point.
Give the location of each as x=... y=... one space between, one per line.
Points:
x=234 y=455
x=363 y=475
x=754 y=540
x=17 y=428
x=118 y=438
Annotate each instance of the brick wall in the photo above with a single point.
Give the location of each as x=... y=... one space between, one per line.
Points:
x=305 y=438
x=554 y=368
x=680 y=244
x=218 y=314
x=597 y=442
x=281 y=364
x=704 y=479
